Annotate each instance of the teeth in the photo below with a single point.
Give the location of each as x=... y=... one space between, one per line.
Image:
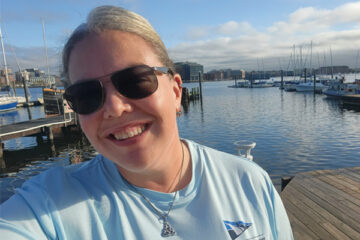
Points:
x=129 y=132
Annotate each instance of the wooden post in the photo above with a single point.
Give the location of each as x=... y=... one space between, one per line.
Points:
x=200 y=85
x=285 y=181
x=49 y=133
x=39 y=138
x=50 y=136
x=305 y=74
x=251 y=79
x=26 y=90
x=314 y=83
x=2 y=160
x=282 y=79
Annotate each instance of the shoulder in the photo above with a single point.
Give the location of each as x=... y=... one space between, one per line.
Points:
x=228 y=167
x=64 y=178
x=218 y=158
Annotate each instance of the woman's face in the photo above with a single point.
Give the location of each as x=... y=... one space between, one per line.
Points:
x=147 y=127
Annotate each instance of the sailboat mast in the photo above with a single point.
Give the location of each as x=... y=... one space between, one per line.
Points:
x=46 y=55
x=332 y=66
x=4 y=58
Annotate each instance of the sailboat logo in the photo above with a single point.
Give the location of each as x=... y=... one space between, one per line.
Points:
x=235 y=229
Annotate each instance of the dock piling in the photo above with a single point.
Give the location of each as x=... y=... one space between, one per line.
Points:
x=37 y=127
x=200 y=86
x=2 y=161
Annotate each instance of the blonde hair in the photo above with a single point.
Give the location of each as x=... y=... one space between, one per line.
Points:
x=115 y=18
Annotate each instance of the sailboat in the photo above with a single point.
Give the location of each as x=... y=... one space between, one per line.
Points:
x=7 y=102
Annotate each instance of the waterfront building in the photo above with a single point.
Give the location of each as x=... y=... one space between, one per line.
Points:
x=237 y=74
x=19 y=76
x=35 y=77
x=3 y=78
x=333 y=69
x=189 y=71
x=44 y=80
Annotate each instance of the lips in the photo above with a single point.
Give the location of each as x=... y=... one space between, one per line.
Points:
x=129 y=132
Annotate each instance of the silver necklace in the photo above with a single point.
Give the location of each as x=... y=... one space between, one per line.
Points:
x=167 y=230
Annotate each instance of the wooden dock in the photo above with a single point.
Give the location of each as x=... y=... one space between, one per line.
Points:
x=37 y=127
x=324 y=204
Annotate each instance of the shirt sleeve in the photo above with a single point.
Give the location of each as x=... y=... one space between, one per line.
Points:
x=280 y=223
x=18 y=221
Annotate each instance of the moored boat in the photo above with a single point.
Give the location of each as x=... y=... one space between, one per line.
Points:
x=309 y=87
x=262 y=84
x=7 y=103
x=351 y=99
x=53 y=101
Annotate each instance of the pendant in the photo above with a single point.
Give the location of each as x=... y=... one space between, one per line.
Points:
x=167 y=230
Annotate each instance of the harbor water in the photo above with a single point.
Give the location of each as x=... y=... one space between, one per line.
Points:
x=294 y=132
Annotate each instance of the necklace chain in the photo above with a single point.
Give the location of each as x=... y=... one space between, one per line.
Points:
x=167 y=229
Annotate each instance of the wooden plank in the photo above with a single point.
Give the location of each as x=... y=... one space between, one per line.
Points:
x=351 y=206
x=308 y=217
x=300 y=231
x=31 y=127
x=336 y=234
x=315 y=211
x=342 y=206
x=350 y=183
x=340 y=184
x=334 y=207
x=328 y=212
x=354 y=175
x=350 y=179
x=335 y=192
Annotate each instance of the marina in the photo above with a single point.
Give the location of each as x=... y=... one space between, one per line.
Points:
x=295 y=133
x=301 y=130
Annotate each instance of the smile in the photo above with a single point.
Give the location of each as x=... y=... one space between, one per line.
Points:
x=129 y=132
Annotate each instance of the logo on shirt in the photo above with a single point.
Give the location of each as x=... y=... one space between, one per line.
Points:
x=235 y=229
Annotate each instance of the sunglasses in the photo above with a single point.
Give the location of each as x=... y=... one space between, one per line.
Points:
x=136 y=82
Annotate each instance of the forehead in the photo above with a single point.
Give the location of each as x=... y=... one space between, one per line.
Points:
x=106 y=52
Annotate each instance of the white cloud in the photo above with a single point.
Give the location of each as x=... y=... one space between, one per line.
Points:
x=233 y=28
x=228 y=29
x=30 y=57
x=239 y=45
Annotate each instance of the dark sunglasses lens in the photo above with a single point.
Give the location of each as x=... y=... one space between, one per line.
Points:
x=86 y=97
x=136 y=82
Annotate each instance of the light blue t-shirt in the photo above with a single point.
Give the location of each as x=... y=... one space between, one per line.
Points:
x=228 y=198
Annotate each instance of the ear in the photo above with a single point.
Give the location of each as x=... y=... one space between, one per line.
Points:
x=177 y=88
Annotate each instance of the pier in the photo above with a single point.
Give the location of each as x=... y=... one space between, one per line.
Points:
x=190 y=95
x=38 y=127
x=324 y=204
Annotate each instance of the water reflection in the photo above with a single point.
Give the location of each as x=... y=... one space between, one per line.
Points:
x=21 y=164
x=338 y=106
x=294 y=132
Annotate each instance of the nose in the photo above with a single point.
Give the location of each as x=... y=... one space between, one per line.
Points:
x=115 y=104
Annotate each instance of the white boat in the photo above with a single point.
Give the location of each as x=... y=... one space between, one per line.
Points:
x=241 y=83
x=347 y=93
x=261 y=84
x=339 y=89
x=309 y=87
x=7 y=103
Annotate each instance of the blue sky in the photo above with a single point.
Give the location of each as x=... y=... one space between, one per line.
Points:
x=251 y=35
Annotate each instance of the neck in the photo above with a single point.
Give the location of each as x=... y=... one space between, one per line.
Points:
x=165 y=178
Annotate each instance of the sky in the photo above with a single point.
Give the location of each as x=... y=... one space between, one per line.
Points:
x=237 y=34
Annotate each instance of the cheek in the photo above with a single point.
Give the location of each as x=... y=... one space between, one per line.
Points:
x=88 y=125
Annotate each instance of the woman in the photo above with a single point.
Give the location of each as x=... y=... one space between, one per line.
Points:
x=146 y=183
